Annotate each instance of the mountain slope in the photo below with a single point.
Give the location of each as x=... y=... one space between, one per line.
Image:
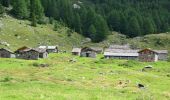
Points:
x=16 y=33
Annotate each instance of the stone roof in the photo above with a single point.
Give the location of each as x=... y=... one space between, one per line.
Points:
x=161 y=51
x=48 y=47
x=40 y=50
x=127 y=46
x=121 y=52
x=156 y=51
x=97 y=48
x=6 y=50
x=76 y=50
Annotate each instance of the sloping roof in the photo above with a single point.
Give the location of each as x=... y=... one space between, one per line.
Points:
x=47 y=47
x=121 y=52
x=156 y=51
x=6 y=50
x=119 y=46
x=76 y=50
x=40 y=50
x=23 y=49
x=97 y=48
x=146 y=49
x=88 y=49
x=161 y=51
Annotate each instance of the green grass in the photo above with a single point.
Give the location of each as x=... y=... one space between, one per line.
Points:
x=86 y=79
x=19 y=33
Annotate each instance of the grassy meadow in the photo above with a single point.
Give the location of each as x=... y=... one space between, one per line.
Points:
x=85 y=79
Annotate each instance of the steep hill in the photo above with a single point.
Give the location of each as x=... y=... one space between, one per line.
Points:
x=15 y=33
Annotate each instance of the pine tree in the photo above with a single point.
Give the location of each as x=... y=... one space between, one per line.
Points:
x=148 y=26
x=36 y=11
x=134 y=27
x=92 y=32
x=77 y=23
x=101 y=28
x=20 y=9
x=1 y=9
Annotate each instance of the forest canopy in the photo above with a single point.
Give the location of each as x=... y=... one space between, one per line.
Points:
x=95 y=18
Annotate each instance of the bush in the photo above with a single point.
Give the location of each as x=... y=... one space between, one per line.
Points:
x=129 y=63
x=7 y=79
x=43 y=20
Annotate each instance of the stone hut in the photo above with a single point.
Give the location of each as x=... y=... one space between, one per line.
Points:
x=76 y=51
x=5 y=53
x=88 y=52
x=121 y=54
x=162 y=55
x=148 y=55
x=30 y=53
x=50 y=49
x=42 y=52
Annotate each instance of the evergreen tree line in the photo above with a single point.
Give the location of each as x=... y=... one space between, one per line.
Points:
x=94 y=18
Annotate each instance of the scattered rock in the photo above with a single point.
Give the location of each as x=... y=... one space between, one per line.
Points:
x=44 y=65
x=146 y=68
x=73 y=60
x=70 y=80
x=141 y=86
x=123 y=83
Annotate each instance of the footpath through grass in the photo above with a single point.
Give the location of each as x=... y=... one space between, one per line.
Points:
x=85 y=79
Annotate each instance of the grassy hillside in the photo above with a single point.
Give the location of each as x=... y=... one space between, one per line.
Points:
x=18 y=33
x=86 y=79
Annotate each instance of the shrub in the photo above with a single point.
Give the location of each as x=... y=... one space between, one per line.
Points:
x=7 y=79
x=129 y=63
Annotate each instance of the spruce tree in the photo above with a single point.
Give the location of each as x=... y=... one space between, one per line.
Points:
x=133 y=27
x=1 y=9
x=20 y=9
x=92 y=32
x=36 y=11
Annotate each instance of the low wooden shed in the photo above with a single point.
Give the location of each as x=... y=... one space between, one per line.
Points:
x=76 y=51
x=88 y=52
x=148 y=55
x=5 y=53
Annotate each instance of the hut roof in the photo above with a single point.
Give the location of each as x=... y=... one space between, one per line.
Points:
x=119 y=46
x=146 y=49
x=121 y=52
x=161 y=51
x=76 y=50
x=40 y=50
x=22 y=49
x=6 y=50
x=48 y=47
x=88 y=49
x=156 y=51
x=97 y=48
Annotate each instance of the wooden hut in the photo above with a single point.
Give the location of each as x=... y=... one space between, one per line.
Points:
x=148 y=55
x=88 y=52
x=76 y=51
x=5 y=53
